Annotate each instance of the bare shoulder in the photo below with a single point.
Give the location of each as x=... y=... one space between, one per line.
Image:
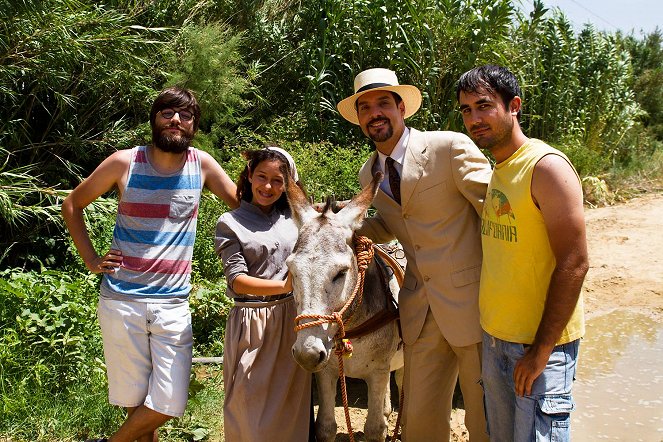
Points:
x=110 y=174
x=205 y=158
x=115 y=166
x=555 y=182
x=553 y=170
x=210 y=165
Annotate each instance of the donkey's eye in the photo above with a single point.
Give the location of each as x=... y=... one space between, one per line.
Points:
x=340 y=275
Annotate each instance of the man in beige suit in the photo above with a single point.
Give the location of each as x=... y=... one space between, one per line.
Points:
x=430 y=200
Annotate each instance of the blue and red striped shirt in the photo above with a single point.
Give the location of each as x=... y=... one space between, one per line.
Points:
x=155 y=229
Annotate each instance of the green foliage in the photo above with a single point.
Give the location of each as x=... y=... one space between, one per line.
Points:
x=548 y=75
x=71 y=72
x=647 y=59
x=648 y=90
x=576 y=89
x=74 y=80
x=428 y=43
x=209 y=307
x=24 y=204
x=206 y=265
x=32 y=412
x=52 y=373
x=206 y=60
x=203 y=418
x=457 y=36
x=48 y=328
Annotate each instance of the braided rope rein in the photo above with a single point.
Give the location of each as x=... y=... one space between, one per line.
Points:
x=364 y=253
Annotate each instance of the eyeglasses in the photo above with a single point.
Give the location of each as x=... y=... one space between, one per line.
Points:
x=185 y=115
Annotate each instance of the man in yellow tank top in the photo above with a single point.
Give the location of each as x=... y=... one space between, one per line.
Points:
x=534 y=263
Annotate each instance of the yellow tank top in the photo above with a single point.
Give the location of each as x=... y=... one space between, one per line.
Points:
x=517 y=259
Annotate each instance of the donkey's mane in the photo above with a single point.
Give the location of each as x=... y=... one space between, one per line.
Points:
x=331 y=204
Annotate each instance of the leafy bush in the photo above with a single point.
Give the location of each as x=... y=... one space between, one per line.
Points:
x=206 y=59
x=50 y=337
x=72 y=72
x=209 y=311
x=52 y=372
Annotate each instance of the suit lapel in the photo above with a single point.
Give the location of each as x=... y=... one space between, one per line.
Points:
x=416 y=157
x=368 y=170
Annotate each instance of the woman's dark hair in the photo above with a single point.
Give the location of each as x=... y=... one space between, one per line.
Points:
x=176 y=97
x=255 y=157
x=493 y=79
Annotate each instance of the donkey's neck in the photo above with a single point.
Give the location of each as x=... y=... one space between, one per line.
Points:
x=374 y=298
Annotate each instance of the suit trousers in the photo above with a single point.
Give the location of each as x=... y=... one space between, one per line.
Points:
x=432 y=368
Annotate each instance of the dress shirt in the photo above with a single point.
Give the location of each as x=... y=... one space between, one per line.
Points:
x=398 y=154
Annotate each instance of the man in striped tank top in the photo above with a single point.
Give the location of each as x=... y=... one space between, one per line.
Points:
x=143 y=306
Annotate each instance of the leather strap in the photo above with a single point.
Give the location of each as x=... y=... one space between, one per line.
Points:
x=390 y=313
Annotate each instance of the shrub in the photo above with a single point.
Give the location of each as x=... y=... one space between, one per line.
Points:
x=50 y=337
x=209 y=311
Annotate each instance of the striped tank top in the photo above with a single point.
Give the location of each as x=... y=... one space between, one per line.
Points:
x=155 y=229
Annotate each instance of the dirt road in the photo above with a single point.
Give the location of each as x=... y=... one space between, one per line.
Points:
x=626 y=257
x=626 y=271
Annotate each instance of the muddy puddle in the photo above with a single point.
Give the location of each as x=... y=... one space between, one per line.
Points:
x=619 y=386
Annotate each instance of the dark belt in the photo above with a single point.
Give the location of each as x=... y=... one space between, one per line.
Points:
x=264 y=298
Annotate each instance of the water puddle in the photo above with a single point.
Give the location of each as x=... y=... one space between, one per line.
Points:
x=619 y=387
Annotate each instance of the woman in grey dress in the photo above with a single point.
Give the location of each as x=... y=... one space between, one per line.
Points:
x=267 y=395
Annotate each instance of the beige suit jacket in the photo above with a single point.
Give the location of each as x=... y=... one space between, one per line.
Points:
x=443 y=186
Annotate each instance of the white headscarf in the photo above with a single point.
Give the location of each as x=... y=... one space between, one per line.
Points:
x=291 y=161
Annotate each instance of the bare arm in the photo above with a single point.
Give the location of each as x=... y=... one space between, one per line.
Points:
x=109 y=174
x=245 y=285
x=558 y=193
x=217 y=180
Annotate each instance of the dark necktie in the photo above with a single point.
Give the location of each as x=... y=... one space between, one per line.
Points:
x=394 y=179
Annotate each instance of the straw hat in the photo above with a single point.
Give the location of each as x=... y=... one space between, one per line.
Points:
x=379 y=79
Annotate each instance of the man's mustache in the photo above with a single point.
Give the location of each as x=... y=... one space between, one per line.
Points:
x=377 y=120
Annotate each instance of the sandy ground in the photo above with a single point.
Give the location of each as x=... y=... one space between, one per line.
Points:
x=626 y=271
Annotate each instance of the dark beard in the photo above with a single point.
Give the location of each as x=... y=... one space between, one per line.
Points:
x=382 y=136
x=173 y=144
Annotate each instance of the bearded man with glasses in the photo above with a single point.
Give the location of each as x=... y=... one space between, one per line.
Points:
x=143 y=307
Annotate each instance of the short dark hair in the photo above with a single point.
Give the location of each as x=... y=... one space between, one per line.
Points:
x=178 y=97
x=493 y=79
x=255 y=157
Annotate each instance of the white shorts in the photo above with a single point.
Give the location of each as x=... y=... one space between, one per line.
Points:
x=148 y=350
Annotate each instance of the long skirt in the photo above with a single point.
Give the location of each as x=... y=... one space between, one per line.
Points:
x=267 y=395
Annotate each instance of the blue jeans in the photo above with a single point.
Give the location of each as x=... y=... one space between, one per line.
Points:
x=542 y=416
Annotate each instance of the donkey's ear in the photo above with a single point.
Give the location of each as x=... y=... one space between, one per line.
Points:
x=301 y=208
x=354 y=212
